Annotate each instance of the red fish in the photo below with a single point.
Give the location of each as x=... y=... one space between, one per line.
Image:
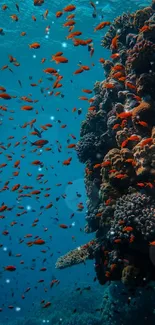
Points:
x=10 y=268
x=63 y=226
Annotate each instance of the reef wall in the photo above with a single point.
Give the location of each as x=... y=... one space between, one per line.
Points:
x=117 y=146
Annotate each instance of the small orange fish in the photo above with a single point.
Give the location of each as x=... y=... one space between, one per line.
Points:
x=101 y=25
x=69 y=8
x=128 y=229
x=145 y=142
x=73 y=34
x=120 y=176
x=124 y=115
x=109 y=85
x=141 y=184
x=78 y=71
x=134 y=138
x=106 y=163
x=72 y=145
x=39 y=242
x=145 y=28
x=88 y=91
x=5 y=96
x=115 y=56
x=97 y=166
x=130 y=85
x=14 y=17
x=26 y=108
x=60 y=59
x=124 y=143
x=117 y=241
x=152 y=243
x=67 y=162
x=63 y=226
x=58 y=14
x=116 y=126
x=142 y=123
x=72 y=16
x=34 y=45
x=69 y=23
x=114 y=42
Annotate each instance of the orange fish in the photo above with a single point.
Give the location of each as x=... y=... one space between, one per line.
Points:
x=15 y=187
x=69 y=23
x=124 y=115
x=145 y=142
x=106 y=163
x=120 y=176
x=88 y=91
x=116 y=126
x=60 y=59
x=101 y=25
x=69 y=8
x=134 y=138
x=145 y=28
x=67 y=162
x=115 y=56
x=73 y=34
x=63 y=226
x=142 y=123
x=72 y=145
x=97 y=166
x=26 y=108
x=70 y=17
x=141 y=184
x=114 y=42
x=39 y=242
x=14 y=17
x=58 y=14
x=5 y=96
x=128 y=229
x=152 y=243
x=130 y=85
x=109 y=85
x=34 y=45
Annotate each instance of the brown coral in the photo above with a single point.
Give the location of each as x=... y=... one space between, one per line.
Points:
x=141 y=16
x=129 y=275
x=146 y=85
x=145 y=112
x=145 y=160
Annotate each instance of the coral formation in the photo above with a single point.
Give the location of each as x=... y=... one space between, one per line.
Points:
x=117 y=145
x=78 y=255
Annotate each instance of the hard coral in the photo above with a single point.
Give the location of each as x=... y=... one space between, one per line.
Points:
x=129 y=274
x=140 y=57
x=146 y=85
x=141 y=16
x=89 y=147
x=145 y=111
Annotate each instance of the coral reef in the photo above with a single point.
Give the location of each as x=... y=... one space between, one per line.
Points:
x=117 y=145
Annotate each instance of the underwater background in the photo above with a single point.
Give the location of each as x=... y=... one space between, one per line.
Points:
x=43 y=194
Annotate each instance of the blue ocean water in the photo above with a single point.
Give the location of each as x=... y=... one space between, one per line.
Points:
x=56 y=110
